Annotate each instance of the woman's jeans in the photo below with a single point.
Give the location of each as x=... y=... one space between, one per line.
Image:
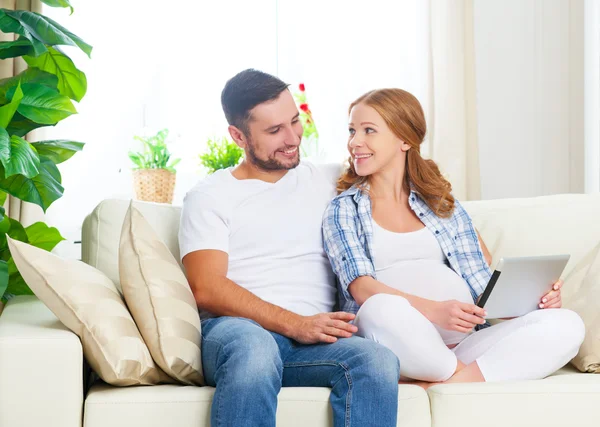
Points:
x=248 y=365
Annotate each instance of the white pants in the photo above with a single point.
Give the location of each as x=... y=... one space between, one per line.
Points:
x=529 y=347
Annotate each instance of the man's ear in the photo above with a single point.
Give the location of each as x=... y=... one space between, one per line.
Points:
x=238 y=136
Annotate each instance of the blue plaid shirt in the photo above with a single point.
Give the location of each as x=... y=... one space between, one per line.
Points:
x=348 y=241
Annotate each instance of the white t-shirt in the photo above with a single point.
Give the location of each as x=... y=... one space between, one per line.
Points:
x=414 y=263
x=271 y=231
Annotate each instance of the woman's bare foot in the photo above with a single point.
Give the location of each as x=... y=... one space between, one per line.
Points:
x=463 y=374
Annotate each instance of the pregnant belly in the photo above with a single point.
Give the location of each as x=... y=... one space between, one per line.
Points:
x=431 y=280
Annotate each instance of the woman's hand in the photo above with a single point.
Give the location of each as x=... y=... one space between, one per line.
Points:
x=454 y=315
x=553 y=299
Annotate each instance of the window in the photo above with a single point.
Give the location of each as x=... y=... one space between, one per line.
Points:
x=155 y=67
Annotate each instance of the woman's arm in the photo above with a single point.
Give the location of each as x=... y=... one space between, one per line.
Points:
x=486 y=253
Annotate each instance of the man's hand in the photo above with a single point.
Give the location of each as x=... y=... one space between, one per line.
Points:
x=323 y=327
x=454 y=315
x=552 y=299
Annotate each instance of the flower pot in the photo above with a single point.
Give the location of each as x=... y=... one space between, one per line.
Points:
x=154 y=185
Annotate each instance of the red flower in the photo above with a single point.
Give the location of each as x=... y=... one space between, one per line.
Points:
x=304 y=107
x=301 y=86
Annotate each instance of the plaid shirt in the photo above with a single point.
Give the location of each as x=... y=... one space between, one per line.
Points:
x=348 y=241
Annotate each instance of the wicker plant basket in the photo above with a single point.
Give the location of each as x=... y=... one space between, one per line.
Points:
x=154 y=185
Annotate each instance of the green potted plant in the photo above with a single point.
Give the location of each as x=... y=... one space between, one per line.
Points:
x=39 y=96
x=221 y=153
x=154 y=172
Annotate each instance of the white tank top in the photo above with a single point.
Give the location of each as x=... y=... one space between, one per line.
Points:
x=414 y=263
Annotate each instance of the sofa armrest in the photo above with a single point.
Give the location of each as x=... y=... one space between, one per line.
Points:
x=41 y=367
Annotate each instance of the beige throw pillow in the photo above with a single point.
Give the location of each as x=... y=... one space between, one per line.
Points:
x=88 y=303
x=160 y=300
x=586 y=302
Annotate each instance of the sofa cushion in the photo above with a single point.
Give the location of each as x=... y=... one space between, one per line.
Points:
x=568 y=398
x=186 y=406
x=159 y=298
x=586 y=303
x=87 y=302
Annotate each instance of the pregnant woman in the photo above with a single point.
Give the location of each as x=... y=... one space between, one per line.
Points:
x=411 y=264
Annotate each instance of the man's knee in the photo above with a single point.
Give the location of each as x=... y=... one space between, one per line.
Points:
x=376 y=361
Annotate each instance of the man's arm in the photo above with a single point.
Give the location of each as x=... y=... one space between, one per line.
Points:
x=214 y=292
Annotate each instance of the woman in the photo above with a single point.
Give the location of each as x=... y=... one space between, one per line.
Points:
x=410 y=262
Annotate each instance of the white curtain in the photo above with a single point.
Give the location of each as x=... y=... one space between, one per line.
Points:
x=592 y=95
x=452 y=118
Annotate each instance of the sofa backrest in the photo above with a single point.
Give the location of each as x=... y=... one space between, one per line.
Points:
x=567 y=223
x=101 y=232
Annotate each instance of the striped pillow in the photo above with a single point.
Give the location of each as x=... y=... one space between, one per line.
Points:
x=89 y=304
x=160 y=300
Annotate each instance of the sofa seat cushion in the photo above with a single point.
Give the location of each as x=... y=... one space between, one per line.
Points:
x=567 y=398
x=189 y=406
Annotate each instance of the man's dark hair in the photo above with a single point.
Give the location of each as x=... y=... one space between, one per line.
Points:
x=246 y=90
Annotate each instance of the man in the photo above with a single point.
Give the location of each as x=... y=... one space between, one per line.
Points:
x=251 y=244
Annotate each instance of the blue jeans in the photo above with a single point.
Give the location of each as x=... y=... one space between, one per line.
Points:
x=248 y=365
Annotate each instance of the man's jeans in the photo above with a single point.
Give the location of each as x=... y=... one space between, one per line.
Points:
x=248 y=365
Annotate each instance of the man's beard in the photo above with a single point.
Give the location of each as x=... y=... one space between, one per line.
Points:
x=271 y=164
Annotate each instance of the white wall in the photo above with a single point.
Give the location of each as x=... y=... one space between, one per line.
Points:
x=529 y=71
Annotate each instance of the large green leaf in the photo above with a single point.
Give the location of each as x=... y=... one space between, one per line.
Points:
x=43 y=105
x=43 y=237
x=10 y=24
x=3 y=277
x=8 y=111
x=58 y=3
x=21 y=126
x=16 y=48
x=71 y=81
x=19 y=157
x=16 y=284
x=17 y=231
x=3 y=197
x=41 y=28
x=13 y=228
x=30 y=75
x=58 y=150
x=43 y=190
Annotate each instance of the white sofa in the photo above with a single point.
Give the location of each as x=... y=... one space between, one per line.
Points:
x=42 y=367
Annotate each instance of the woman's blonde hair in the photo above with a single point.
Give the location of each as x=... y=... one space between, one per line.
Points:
x=403 y=114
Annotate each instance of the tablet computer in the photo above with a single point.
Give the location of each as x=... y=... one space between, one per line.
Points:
x=518 y=284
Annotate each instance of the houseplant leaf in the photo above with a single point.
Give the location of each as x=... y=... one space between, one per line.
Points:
x=21 y=126
x=43 y=105
x=10 y=24
x=16 y=284
x=3 y=277
x=42 y=190
x=71 y=81
x=40 y=28
x=16 y=48
x=43 y=237
x=58 y=3
x=18 y=157
x=8 y=111
x=30 y=75
x=58 y=150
